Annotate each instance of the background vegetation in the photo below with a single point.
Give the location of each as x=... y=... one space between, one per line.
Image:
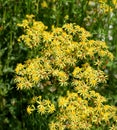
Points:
x=96 y=16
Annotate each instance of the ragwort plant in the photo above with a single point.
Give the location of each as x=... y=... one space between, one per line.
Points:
x=87 y=14
x=66 y=66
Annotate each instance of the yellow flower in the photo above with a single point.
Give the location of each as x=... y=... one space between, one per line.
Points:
x=66 y=17
x=62 y=102
x=51 y=108
x=44 y=4
x=93 y=82
x=90 y=51
x=106 y=116
x=25 y=23
x=47 y=102
x=19 y=68
x=71 y=108
x=52 y=126
x=30 y=109
x=41 y=109
x=30 y=16
x=76 y=72
x=113 y=127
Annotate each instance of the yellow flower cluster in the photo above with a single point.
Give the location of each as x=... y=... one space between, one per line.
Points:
x=43 y=106
x=91 y=76
x=62 y=49
x=105 y=5
x=100 y=9
x=75 y=113
x=106 y=8
x=33 y=31
x=68 y=60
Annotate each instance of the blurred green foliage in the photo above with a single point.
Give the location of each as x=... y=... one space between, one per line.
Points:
x=102 y=25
